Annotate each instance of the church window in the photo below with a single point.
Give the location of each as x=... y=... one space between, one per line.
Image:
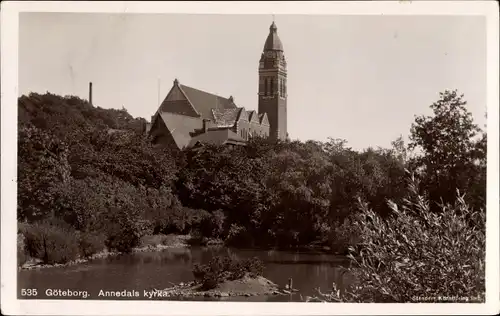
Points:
x=266 y=83
x=272 y=86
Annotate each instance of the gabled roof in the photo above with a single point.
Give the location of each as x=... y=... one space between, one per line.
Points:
x=177 y=102
x=242 y=114
x=181 y=127
x=226 y=117
x=253 y=116
x=204 y=102
x=217 y=137
x=263 y=119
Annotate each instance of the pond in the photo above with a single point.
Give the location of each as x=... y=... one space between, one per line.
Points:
x=150 y=270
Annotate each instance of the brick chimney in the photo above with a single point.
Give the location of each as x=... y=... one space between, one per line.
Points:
x=205 y=125
x=90 y=92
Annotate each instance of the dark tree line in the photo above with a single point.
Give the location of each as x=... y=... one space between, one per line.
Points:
x=96 y=171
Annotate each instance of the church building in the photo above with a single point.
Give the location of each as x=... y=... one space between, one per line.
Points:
x=189 y=117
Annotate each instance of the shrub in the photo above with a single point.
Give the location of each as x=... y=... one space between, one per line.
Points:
x=51 y=241
x=417 y=252
x=122 y=232
x=91 y=243
x=21 y=251
x=238 y=236
x=213 y=225
x=220 y=269
x=345 y=235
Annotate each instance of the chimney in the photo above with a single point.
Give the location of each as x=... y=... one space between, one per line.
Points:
x=205 y=125
x=90 y=92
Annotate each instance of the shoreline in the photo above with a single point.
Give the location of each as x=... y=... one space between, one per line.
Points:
x=244 y=287
x=178 y=241
x=34 y=264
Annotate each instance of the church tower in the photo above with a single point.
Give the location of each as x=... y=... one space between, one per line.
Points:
x=272 y=84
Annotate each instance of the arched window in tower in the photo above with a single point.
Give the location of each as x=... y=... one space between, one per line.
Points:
x=266 y=83
x=272 y=86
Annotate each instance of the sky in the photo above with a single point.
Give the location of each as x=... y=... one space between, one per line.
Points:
x=358 y=78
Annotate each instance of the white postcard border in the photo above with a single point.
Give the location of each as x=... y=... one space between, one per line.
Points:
x=9 y=79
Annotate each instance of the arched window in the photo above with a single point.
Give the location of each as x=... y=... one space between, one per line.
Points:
x=272 y=86
x=266 y=83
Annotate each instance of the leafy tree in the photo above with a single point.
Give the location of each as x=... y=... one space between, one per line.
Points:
x=43 y=169
x=450 y=151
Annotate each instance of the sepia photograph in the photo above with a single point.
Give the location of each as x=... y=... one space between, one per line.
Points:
x=259 y=155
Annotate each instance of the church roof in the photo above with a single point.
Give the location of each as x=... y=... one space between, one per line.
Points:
x=226 y=117
x=253 y=116
x=181 y=127
x=273 y=42
x=204 y=102
x=263 y=119
x=217 y=137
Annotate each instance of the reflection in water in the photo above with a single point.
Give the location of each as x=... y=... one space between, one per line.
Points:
x=143 y=271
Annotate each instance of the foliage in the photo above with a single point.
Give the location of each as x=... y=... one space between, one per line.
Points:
x=42 y=169
x=68 y=116
x=343 y=236
x=417 y=253
x=284 y=194
x=89 y=178
x=220 y=269
x=212 y=226
x=22 y=257
x=91 y=243
x=51 y=240
x=453 y=157
x=122 y=233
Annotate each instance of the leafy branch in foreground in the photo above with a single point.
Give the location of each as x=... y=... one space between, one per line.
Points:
x=418 y=253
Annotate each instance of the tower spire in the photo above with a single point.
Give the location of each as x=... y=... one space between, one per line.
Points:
x=272 y=84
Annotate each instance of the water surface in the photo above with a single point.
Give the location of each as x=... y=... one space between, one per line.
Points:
x=149 y=270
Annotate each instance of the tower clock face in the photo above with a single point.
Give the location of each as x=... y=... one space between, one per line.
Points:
x=269 y=54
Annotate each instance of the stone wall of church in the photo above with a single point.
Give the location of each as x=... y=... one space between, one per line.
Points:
x=259 y=129
x=246 y=129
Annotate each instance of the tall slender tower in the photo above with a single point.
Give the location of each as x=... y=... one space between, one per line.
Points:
x=272 y=84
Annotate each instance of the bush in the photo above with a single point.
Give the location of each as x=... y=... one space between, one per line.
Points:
x=220 y=269
x=212 y=226
x=91 y=243
x=417 y=252
x=51 y=241
x=238 y=236
x=345 y=235
x=21 y=251
x=122 y=232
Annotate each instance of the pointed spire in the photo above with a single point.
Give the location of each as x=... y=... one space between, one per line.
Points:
x=273 y=28
x=273 y=42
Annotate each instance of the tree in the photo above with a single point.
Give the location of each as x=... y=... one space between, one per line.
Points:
x=449 y=149
x=43 y=169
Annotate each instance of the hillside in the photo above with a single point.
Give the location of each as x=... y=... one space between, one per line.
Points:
x=65 y=115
